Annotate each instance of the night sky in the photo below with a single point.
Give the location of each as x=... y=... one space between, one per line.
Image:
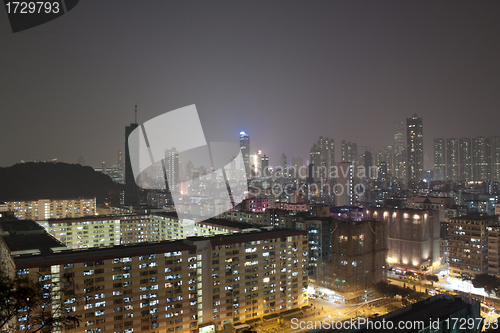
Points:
x=285 y=72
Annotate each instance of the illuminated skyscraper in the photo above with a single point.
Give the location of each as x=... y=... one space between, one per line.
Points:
x=399 y=151
x=172 y=167
x=283 y=164
x=452 y=159
x=349 y=152
x=322 y=156
x=494 y=158
x=479 y=160
x=414 y=149
x=245 y=150
x=439 y=159
x=465 y=159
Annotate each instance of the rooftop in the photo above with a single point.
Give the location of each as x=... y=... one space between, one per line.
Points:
x=433 y=308
x=229 y=224
x=43 y=248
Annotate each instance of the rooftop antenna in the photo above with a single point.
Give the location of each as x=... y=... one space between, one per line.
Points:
x=136 y=113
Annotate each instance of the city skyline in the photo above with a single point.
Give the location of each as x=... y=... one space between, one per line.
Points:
x=284 y=74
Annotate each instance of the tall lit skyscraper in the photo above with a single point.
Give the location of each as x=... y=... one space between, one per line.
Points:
x=172 y=168
x=479 y=165
x=494 y=158
x=465 y=159
x=349 y=152
x=322 y=156
x=439 y=159
x=452 y=160
x=297 y=162
x=256 y=164
x=368 y=164
x=414 y=149
x=131 y=197
x=120 y=161
x=399 y=151
x=245 y=150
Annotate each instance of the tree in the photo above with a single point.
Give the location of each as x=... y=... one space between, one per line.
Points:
x=488 y=282
x=33 y=301
x=432 y=278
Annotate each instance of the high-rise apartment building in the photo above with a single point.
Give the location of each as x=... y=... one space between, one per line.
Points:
x=163 y=286
x=349 y=152
x=172 y=168
x=256 y=164
x=357 y=256
x=439 y=159
x=264 y=162
x=399 y=151
x=44 y=209
x=322 y=156
x=465 y=168
x=414 y=149
x=452 y=160
x=479 y=159
x=468 y=244
x=131 y=197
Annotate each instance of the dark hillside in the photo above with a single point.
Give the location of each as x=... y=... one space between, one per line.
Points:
x=33 y=181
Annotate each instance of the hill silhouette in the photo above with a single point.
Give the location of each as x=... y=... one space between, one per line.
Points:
x=33 y=181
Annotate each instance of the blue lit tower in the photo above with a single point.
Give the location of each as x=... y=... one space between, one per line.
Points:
x=245 y=149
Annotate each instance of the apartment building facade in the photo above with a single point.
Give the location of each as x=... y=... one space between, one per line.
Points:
x=468 y=244
x=167 y=286
x=45 y=209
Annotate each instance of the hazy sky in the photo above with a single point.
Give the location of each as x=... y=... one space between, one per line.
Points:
x=286 y=72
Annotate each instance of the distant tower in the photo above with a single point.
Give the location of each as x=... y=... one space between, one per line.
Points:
x=465 y=159
x=452 y=159
x=322 y=156
x=399 y=151
x=256 y=164
x=265 y=166
x=120 y=161
x=479 y=159
x=344 y=192
x=369 y=164
x=81 y=161
x=245 y=150
x=349 y=152
x=439 y=159
x=131 y=189
x=414 y=149
x=172 y=168
x=283 y=164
